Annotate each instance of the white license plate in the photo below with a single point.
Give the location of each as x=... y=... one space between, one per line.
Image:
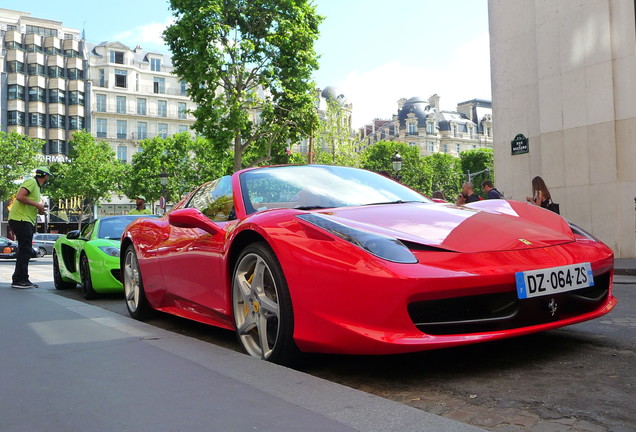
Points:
x=535 y=283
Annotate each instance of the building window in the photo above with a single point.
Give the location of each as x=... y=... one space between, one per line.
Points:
x=122 y=153
x=15 y=118
x=184 y=88
x=155 y=65
x=36 y=69
x=162 y=130
x=183 y=128
x=42 y=31
x=470 y=132
x=429 y=128
x=15 y=67
x=182 y=110
x=57 y=96
x=159 y=85
x=121 y=104
x=445 y=147
x=102 y=78
x=75 y=122
x=37 y=94
x=141 y=106
x=37 y=120
x=55 y=72
x=76 y=98
x=57 y=121
x=121 y=78
x=55 y=147
x=117 y=57
x=101 y=103
x=412 y=144
x=121 y=129
x=431 y=146
x=412 y=129
x=15 y=91
x=142 y=130
x=162 y=108
x=75 y=74
x=102 y=128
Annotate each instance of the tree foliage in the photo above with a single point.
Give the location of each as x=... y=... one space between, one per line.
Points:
x=248 y=65
x=414 y=172
x=93 y=173
x=188 y=163
x=334 y=142
x=17 y=159
x=475 y=161
x=446 y=174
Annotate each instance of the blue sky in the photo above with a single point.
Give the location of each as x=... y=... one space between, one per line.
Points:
x=374 y=51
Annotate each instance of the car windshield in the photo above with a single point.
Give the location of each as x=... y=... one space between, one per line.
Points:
x=113 y=227
x=319 y=186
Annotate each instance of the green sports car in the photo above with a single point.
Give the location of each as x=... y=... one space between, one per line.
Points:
x=90 y=257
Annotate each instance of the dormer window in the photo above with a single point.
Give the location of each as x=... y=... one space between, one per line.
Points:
x=117 y=57
x=155 y=65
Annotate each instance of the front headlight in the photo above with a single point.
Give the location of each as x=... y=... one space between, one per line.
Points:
x=577 y=230
x=387 y=248
x=110 y=250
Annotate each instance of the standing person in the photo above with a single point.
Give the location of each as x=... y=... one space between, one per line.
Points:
x=22 y=220
x=540 y=193
x=491 y=190
x=467 y=195
x=140 y=202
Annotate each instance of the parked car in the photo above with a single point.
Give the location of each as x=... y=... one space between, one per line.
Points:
x=44 y=242
x=90 y=257
x=9 y=249
x=342 y=260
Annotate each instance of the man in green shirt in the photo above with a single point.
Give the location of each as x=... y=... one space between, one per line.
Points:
x=141 y=209
x=22 y=220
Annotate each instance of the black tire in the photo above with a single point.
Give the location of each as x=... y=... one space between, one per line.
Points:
x=263 y=306
x=41 y=252
x=87 y=282
x=60 y=283
x=136 y=301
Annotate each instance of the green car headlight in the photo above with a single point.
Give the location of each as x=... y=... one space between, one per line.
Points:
x=390 y=249
x=110 y=250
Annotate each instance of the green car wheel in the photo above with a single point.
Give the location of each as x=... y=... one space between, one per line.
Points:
x=60 y=283
x=87 y=284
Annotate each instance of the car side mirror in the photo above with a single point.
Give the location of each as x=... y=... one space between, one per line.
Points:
x=73 y=235
x=192 y=218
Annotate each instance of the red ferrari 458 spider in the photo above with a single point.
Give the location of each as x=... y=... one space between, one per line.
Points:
x=342 y=260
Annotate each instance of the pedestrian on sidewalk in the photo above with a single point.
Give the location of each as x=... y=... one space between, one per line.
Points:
x=467 y=194
x=491 y=190
x=140 y=209
x=22 y=220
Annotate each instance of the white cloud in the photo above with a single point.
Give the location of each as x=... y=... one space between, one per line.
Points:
x=149 y=36
x=374 y=93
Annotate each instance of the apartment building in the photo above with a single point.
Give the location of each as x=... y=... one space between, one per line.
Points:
x=43 y=80
x=135 y=96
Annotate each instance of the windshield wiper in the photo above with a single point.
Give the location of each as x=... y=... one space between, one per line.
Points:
x=393 y=202
x=315 y=207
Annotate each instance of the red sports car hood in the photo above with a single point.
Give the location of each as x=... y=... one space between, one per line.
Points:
x=487 y=225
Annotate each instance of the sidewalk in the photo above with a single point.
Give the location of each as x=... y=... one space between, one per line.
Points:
x=68 y=366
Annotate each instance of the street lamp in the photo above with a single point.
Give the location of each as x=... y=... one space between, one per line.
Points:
x=397 y=165
x=163 y=179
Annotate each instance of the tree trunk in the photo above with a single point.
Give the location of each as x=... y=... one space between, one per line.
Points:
x=238 y=153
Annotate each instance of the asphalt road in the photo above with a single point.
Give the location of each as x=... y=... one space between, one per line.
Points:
x=580 y=378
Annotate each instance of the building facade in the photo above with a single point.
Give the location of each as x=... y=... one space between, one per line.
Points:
x=421 y=123
x=563 y=76
x=135 y=96
x=44 y=87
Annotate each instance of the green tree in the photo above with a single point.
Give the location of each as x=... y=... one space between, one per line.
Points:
x=17 y=159
x=92 y=174
x=414 y=173
x=478 y=161
x=446 y=174
x=188 y=163
x=248 y=65
x=334 y=142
